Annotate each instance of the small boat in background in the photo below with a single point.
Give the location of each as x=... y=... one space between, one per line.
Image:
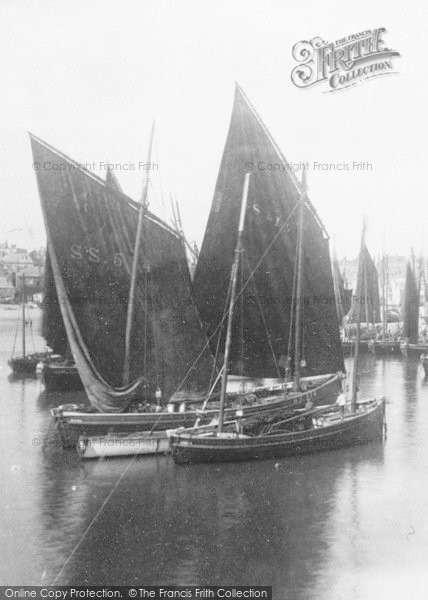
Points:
x=25 y=365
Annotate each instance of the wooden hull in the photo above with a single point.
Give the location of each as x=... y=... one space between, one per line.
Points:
x=26 y=365
x=74 y=423
x=357 y=430
x=384 y=347
x=413 y=349
x=117 y=445
x=61 y=378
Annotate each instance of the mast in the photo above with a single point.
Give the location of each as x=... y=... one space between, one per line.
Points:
x=384 y=296
x=296 y=384
x=23 y=314
x=130 y=313
x=233 y=278
x=366 y=300
x=357 y=336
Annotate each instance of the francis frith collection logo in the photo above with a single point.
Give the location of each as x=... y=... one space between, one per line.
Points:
x=342 y=63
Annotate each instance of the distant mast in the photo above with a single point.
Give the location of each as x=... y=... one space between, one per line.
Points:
x=298 y=325
x=358 y=323
x=23 y=314
x=130 y=314
x=233 y=278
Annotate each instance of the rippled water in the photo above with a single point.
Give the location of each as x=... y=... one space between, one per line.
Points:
x=344 y=524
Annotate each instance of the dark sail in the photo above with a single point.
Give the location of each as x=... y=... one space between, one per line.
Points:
x=91 y=230
x=343 y=296
x=367 y=292
x=410 y=311
x=262 y=321
x=112 y=181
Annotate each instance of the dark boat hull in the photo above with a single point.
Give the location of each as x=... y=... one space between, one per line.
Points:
x=61 y=378
x=359 y=430
x=75 y=423
x=385 y=347
x=26 y=365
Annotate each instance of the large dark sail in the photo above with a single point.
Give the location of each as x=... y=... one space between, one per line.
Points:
x=263 y=335
x=343 y=295
x=91 y=229
x=410 y=311
x=367 y=292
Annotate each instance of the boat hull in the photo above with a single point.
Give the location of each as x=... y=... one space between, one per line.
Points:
x=72 y=424
x=26 y=365
x=113 y=446
x=385 y=347
x=415 y=349
x=359 y=430
x=61 y=378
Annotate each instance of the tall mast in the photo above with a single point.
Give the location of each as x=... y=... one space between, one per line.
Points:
x=366 y=299
x=130 y=314
x=385 y=308
x=296 y=384
x=23 y=314
x=384 y=293
x=357 y=336
x=233 y=278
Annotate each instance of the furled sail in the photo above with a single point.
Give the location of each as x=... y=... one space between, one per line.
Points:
x=367 y=292
x=263 y=333
x=91 y=228
x=410 y=312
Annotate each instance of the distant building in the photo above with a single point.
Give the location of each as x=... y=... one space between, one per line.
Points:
x=7 y=291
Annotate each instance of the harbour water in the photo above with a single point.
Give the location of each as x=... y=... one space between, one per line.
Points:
x=344 y=524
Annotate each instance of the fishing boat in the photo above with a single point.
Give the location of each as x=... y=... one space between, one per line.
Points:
x=267 y=310
x=78 y=421
x=60 y=376
x=385 y=341
x=109 y=247
x=304 y=431
x=410 y=342
x=25 y=365
x=97 y=291
x=366 y=300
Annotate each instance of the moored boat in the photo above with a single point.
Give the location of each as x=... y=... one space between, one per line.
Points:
x=61 y=376
x=311 y=430
x=114 y=445
x=384 y=346
x=326 y=430
x=73 y=421
x=165 y=347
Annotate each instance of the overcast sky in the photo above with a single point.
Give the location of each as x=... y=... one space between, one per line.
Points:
x=88 y=77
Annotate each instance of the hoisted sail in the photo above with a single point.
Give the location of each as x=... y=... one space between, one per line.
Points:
x=263 y=333
x=367 y=292
x=91 y=230
x=342 y=295
x=410 y=313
